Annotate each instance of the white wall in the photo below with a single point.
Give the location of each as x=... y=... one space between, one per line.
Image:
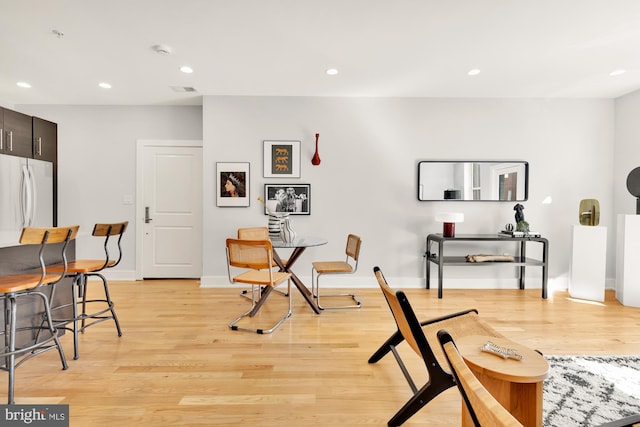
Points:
x=627 y=152
x=97 y=160
x=366 y=183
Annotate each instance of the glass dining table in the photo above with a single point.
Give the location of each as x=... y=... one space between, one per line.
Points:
x=299 y=245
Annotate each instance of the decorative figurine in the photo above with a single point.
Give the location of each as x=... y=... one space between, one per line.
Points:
x=519 y=214
x=521 y=224
x=633 y=185
x=589 y=212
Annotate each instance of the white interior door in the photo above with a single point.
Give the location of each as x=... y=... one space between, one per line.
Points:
x=514 y=174
x=172 y=212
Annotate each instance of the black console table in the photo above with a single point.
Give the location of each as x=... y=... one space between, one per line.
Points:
x=520 y=261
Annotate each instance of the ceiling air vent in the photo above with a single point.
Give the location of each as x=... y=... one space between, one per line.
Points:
x=183 y=89
x=163 y=49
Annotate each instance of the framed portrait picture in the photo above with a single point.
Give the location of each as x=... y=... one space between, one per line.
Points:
x=232 y=184
x=282 y=159
x=295 y=199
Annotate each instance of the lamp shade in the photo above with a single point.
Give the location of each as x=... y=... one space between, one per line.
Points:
x=450 y=217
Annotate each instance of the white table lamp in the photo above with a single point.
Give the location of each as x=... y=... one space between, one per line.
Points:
x=449 y=220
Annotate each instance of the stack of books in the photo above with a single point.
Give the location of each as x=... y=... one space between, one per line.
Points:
x=485 y=258
x=520 y=233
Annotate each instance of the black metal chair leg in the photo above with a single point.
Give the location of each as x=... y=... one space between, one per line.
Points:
x=425 y=395
x=385 y=348
x=110 y=304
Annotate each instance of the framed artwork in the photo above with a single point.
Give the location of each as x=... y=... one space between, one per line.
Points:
x=232 y=184
x=282 y=159
x=295 y=199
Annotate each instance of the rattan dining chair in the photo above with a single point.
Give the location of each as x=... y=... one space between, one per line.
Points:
x=348 y=266
x=255 y=259
x=253 y=233
x=422 y=338
x=39 y=334
x=102 y=307
x=256 y=233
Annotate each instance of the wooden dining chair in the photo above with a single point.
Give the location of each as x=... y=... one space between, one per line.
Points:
x=255 y=259
x=348 y=266
x=40 y=334
x=422 y=338
x=102 y=307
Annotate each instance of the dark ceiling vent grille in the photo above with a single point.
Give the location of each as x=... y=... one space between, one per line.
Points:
x=183 y=89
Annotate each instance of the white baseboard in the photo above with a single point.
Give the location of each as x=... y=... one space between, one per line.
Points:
x=363 y=282
x=359 y=282
x=117 y=275
x=351 y=282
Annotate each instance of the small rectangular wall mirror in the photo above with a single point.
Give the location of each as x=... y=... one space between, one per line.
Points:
x=472 y=180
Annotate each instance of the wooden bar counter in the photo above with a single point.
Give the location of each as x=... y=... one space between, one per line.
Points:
x=19 y=259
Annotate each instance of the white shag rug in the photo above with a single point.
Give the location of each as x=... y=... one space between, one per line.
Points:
x=590 y=390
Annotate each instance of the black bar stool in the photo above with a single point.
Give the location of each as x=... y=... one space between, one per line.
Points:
x=15 y=286
x=83 y=269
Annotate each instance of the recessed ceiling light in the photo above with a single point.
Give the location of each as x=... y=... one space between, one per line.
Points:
x=104 y=85
x=24 y=85
x=332 y=71
x=186 y=69
x=616 y=73
x=474 y=72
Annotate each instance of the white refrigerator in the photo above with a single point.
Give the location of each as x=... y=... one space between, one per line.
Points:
x=26 y=196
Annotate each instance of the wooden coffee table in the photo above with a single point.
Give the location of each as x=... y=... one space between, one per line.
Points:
x=516 y=384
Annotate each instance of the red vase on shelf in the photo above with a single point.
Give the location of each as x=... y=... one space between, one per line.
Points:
x=316 y=157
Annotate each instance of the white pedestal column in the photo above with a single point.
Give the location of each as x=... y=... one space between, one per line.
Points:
x=588 y=262
x=628 y=260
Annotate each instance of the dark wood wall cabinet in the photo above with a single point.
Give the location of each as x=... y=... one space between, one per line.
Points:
x=16 y=134
x=26 y=136
x=45 y=140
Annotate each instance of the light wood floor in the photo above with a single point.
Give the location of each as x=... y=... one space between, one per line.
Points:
x=178 y=364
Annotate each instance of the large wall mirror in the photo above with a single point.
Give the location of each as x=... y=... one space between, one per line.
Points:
x=473 y=180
